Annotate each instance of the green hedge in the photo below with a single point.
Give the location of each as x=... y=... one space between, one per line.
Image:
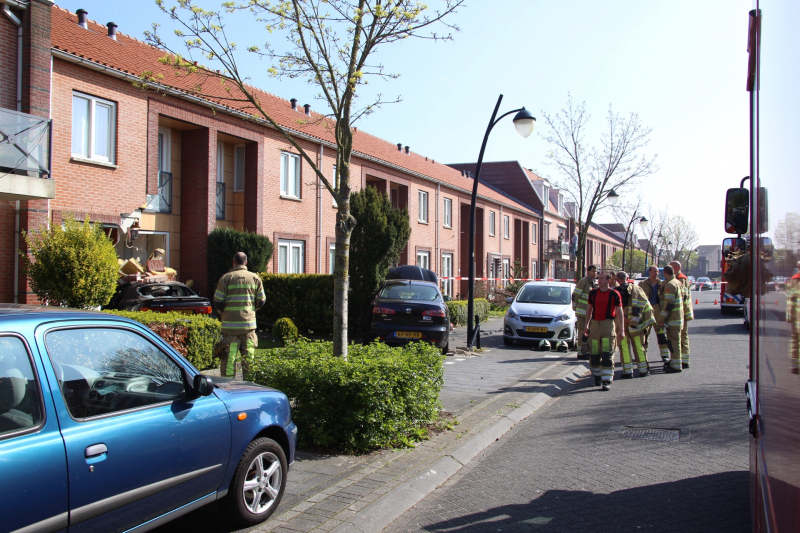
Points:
x=193 y=336
x=305 y=298
x=379 y=397
x=458 y=310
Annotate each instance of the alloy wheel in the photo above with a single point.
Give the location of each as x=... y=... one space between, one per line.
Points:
x=262 y=483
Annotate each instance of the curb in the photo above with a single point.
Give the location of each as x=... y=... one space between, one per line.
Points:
x=382 y=512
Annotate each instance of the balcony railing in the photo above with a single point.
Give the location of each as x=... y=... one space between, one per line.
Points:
x=162 y=201
x=220 y=201
x=556 y=249
x=26 y=145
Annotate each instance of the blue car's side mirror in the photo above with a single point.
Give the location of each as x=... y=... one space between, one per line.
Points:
x=203 y=385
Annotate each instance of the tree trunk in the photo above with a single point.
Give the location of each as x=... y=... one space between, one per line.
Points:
x=344 y=230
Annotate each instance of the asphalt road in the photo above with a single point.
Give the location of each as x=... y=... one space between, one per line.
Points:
x=567 y=469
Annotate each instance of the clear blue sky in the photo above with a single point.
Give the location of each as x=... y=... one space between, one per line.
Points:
x=680 y=64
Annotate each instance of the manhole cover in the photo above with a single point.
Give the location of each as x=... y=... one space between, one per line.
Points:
x=649 y=434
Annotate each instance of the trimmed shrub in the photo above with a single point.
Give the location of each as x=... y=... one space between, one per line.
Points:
x=223 y=243
x=74 y=265
x=284 y=329
x=458 y=310
x=377 y=241
x=192 y=336
x=380 y=396
x=307 y=299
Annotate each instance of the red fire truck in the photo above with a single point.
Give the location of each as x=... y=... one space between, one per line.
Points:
x=772 y=217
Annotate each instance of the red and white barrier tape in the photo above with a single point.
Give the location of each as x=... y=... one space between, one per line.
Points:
x=500 y=280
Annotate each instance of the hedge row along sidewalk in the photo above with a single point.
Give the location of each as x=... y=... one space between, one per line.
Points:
x=380 y=397
x=192 y=336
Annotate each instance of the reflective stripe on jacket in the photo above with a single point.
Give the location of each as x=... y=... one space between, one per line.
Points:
x=640 y=312
x=580 y=296
x=239 y=293
x=688 y=308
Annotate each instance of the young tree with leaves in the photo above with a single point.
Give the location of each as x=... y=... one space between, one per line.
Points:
x=330 y=43
x=587 y=172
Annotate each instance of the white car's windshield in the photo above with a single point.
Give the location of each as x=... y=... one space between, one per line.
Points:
x=531 y=294
x=703 y=279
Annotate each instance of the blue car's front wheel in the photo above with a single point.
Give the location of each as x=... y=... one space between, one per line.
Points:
x=258 y=484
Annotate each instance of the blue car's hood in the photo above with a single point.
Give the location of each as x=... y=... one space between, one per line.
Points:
x=232 y=385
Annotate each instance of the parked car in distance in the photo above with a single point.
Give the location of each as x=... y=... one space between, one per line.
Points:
x=541 y=310
x=411 y=310
x=704 y=284
x=162 y=297
x=104 y=427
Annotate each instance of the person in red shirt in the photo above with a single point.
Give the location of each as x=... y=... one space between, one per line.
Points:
x=603 y=324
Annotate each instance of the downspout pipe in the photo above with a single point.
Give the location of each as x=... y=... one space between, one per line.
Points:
x=320 y=269
x=18 y=23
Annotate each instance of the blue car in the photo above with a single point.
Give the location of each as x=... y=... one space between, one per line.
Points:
x=104 y=427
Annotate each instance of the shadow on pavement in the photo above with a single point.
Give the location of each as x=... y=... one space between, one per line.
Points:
x=717 y=502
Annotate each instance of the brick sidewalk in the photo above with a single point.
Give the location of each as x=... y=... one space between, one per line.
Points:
x=566 y=469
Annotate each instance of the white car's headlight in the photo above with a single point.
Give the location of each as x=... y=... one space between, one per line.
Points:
x=511 y=313
x=563 y=318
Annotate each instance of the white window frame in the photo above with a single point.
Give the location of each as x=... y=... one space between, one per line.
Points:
x=165 y=149
x=220 y=162
x=447 y=208
x=290 y=188
x=506 y=227
x=239 y=167
x=285 y=248
x=422 y=204
x=534 y=270
x=447 y=284
x=491 y=223
x=331 y=258
x=424 y=257
x=112 y=128
x=506 y=271
x=534 y=231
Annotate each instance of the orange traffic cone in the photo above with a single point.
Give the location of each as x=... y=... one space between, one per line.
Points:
x=715 y=301
x=696 y=302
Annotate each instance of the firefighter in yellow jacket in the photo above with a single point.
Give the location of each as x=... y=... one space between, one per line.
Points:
x=239 y=293
x=651 y=288
x=625 y=291
x=688 y=311
x=580 y=300
x=640 y=319
x=671 y=318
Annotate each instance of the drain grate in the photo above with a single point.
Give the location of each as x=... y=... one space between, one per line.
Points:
x=649 y=434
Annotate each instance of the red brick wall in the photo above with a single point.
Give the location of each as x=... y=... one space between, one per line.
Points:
x=8 y=64
x=198 y=203
x=36 y=59
x=6 y=251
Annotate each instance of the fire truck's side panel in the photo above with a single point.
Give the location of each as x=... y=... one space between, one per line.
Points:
x=775 y=246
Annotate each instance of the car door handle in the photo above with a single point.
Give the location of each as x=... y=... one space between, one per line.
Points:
x=94 y=450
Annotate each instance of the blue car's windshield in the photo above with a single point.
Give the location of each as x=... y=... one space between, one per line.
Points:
x=531 y=294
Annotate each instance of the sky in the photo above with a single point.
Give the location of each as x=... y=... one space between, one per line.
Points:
x=680 y=65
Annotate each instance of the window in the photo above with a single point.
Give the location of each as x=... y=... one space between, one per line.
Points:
x=447 y=272
x=162 y=201
x=546 y=198
x=534 y=230
x=108 y=370
x=238 y=168
x=423 y=207
x=534 y=270
x=506 y=227
x=410 y=291
x=491 y=223
x=448 y=213
x=93 y=127
x=291 y=257
x=506 y=271
x=164 y=149
x=220 y=180
x=20 y=402
x=332 y=259
x=290 y=175
x=424 y=260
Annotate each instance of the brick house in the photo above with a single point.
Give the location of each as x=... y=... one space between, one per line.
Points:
x=173 y=167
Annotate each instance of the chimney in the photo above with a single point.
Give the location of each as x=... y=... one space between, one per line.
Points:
x=399 y=147
x=307 y=107
x=112 y=30
x=408 y=150
x=82 y=20
x=294 y=104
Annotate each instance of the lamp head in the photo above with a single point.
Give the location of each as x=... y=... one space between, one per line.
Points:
x=613 y=197
x=643 y=222
x=524 y=122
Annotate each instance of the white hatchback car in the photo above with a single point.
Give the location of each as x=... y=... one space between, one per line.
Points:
x=542 y=310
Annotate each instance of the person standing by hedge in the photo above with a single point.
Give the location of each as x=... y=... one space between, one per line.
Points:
x=239 y=293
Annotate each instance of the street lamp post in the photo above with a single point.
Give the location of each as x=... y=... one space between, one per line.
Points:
x=647 y=254
x=524 y=122
x=661 y=249
x=643 y=222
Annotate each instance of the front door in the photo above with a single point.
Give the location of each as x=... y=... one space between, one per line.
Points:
x=137 y=446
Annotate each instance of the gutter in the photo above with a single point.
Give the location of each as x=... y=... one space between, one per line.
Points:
x=94 y=65
x=18 y=23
